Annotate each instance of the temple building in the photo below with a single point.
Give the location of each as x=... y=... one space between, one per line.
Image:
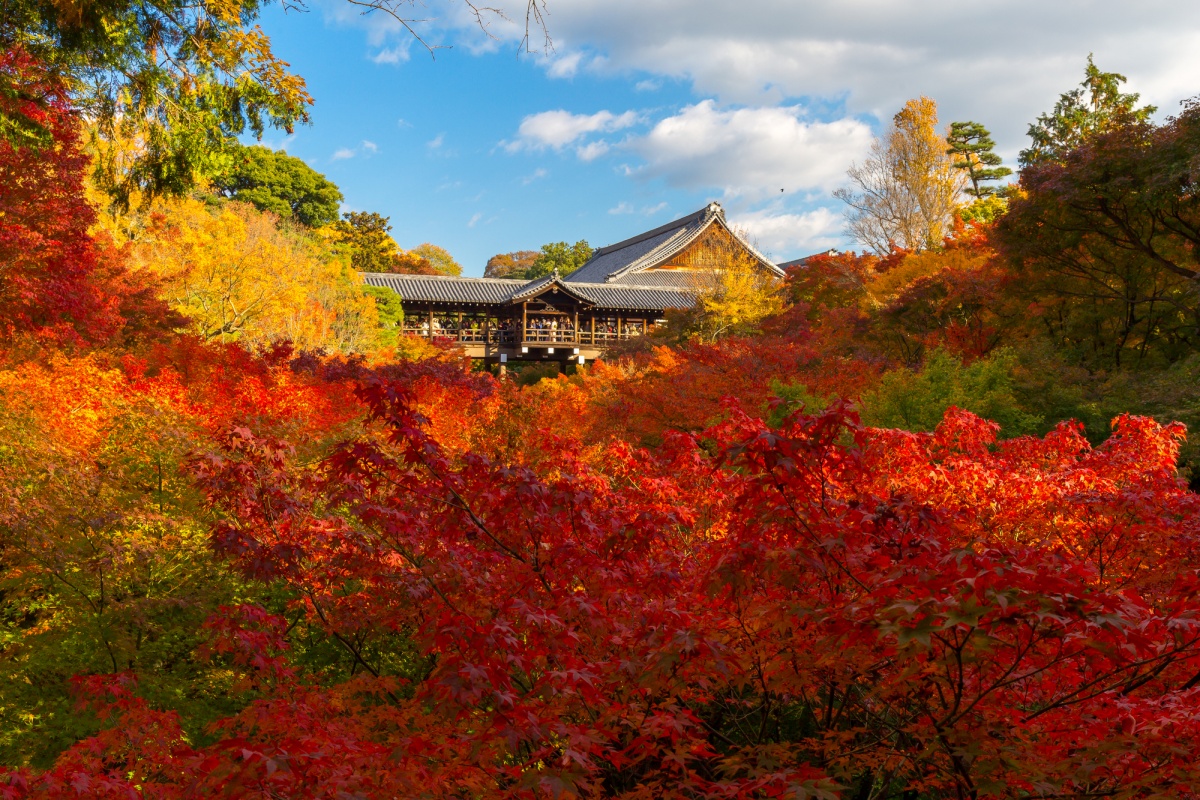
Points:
x=623 y=291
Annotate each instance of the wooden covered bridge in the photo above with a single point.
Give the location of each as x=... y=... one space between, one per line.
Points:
x=622 y=292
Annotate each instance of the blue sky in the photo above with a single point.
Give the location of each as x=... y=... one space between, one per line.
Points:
x=645 y=111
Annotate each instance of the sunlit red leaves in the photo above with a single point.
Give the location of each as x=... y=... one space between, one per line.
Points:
x=58 y=286
x=649 y=631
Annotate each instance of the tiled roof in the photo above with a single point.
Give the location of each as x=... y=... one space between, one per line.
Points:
x=649 y=247
x=616 y=262
x=672 y=278
x=637 y=298
x=800 y=262
x=444 y=289
x=500 y=291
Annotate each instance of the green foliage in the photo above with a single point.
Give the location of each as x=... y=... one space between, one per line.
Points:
x=560 y=256
x=390 y=312
x=1080 y=114
x=795 y=396
x=534 y=373
x=366 y=236
x=985 y=210
x=1105 y=243
x=282 y=184
x=973 y=149
x=916 y=401
x=166 y=85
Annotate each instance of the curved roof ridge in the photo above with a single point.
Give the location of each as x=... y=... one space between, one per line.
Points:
x=641 y=237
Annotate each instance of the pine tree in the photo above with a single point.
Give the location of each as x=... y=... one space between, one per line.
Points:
x=1096 y=106
x=972 y=147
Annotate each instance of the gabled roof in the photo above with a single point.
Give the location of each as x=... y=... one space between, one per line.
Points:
x=548 y=283
x=616 y=262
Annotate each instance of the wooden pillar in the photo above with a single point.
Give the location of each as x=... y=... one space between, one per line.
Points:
x=593 y=327
x=575 y=329
x=460 y=330
x=620 y=333
x=486 y=327
x=524 y=321
x=430 y=334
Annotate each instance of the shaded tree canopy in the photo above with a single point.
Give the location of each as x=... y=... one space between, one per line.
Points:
x=274 y=181
x=1111 y=229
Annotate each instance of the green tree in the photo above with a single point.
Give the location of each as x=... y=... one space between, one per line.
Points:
x=438 y=257
x=1106 y=242
x=972 y=147
x=173 y=81
x=167 y=85
x=273 y=181
x=389 y=311
x=560 y=256
x=1098 y=105
x=367 y=237
x=917 y=401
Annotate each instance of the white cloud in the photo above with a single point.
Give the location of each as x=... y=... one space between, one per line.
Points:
x=999 y=63
x=625 y=207
x=366 y=149
x=557 y=129
x=648 y=86
x=565 y=66
x=777 y=231
x=592 y=150
x=750 y=152
x=474 y=219
x=391 y=55
x=536 y=175
x=403 y=123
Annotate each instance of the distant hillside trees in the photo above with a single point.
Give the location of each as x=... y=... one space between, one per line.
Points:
x=530 y=264
x=510 y=265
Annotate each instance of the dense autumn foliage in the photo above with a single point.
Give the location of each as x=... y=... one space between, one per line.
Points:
x=57 y=284
x=785 y=558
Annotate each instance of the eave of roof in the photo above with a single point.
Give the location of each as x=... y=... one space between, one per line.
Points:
x=504 y=291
